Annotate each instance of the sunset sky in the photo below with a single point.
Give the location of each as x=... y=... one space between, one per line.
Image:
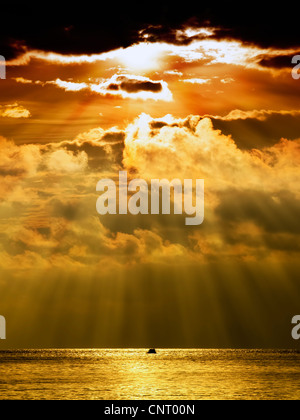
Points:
x=203 y=93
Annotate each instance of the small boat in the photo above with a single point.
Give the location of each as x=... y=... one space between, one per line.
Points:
x=152 y=351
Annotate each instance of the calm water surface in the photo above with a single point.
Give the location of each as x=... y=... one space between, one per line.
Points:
x=134 y=375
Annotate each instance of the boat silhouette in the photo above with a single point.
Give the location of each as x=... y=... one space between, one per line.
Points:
x=152 y=351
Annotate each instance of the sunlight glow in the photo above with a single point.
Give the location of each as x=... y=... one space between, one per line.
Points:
x=142 y=57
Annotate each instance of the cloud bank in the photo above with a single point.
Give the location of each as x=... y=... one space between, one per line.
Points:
x=14 y=111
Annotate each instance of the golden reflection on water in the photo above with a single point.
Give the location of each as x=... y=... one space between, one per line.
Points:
x=135 y=375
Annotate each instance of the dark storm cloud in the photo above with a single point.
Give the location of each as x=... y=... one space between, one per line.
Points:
x=100 y=157
x=113 y=86
x=85 y=29
x=112 y=137
x=133 y=86
x=157 y=125
x=274 y=214
x=175 y=35
x=278 y=62
x=97 y=27
x=252 y=133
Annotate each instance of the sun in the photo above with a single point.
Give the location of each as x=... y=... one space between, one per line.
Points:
x=142 y=57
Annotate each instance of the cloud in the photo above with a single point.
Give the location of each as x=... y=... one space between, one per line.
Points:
x=239 y=213
x=58 y=58
x=27 y=160
x=135 y=87
x=120 y=85
x=48 y=191
x=196 y=81
x=14 y=111
x=22 y=80
x=227 y=80
x=169 y=148
x=282 y=61
x=173 y=73
x=66 y=161
x=275 y=213
x=100 y=36
x=191 y=148
x=223 y=23
x=144 y=58
x=259 y=128
x=48 y=221
x=68 y=86
x=148 y=56
x=104 y=148
x=261 y=115
x=180 y=36
x=18 y=160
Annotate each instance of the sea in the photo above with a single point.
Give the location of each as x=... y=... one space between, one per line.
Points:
x=132 y=374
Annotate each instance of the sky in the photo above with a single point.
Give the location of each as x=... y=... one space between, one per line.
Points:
x=199 y=92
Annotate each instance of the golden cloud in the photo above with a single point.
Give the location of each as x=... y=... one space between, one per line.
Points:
x=191 y=148
x=48 y=192
x=196 y=81
x=260 y=115
x=14 y=111
x=120 y=85
x=65 y=161
x=146 y=56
